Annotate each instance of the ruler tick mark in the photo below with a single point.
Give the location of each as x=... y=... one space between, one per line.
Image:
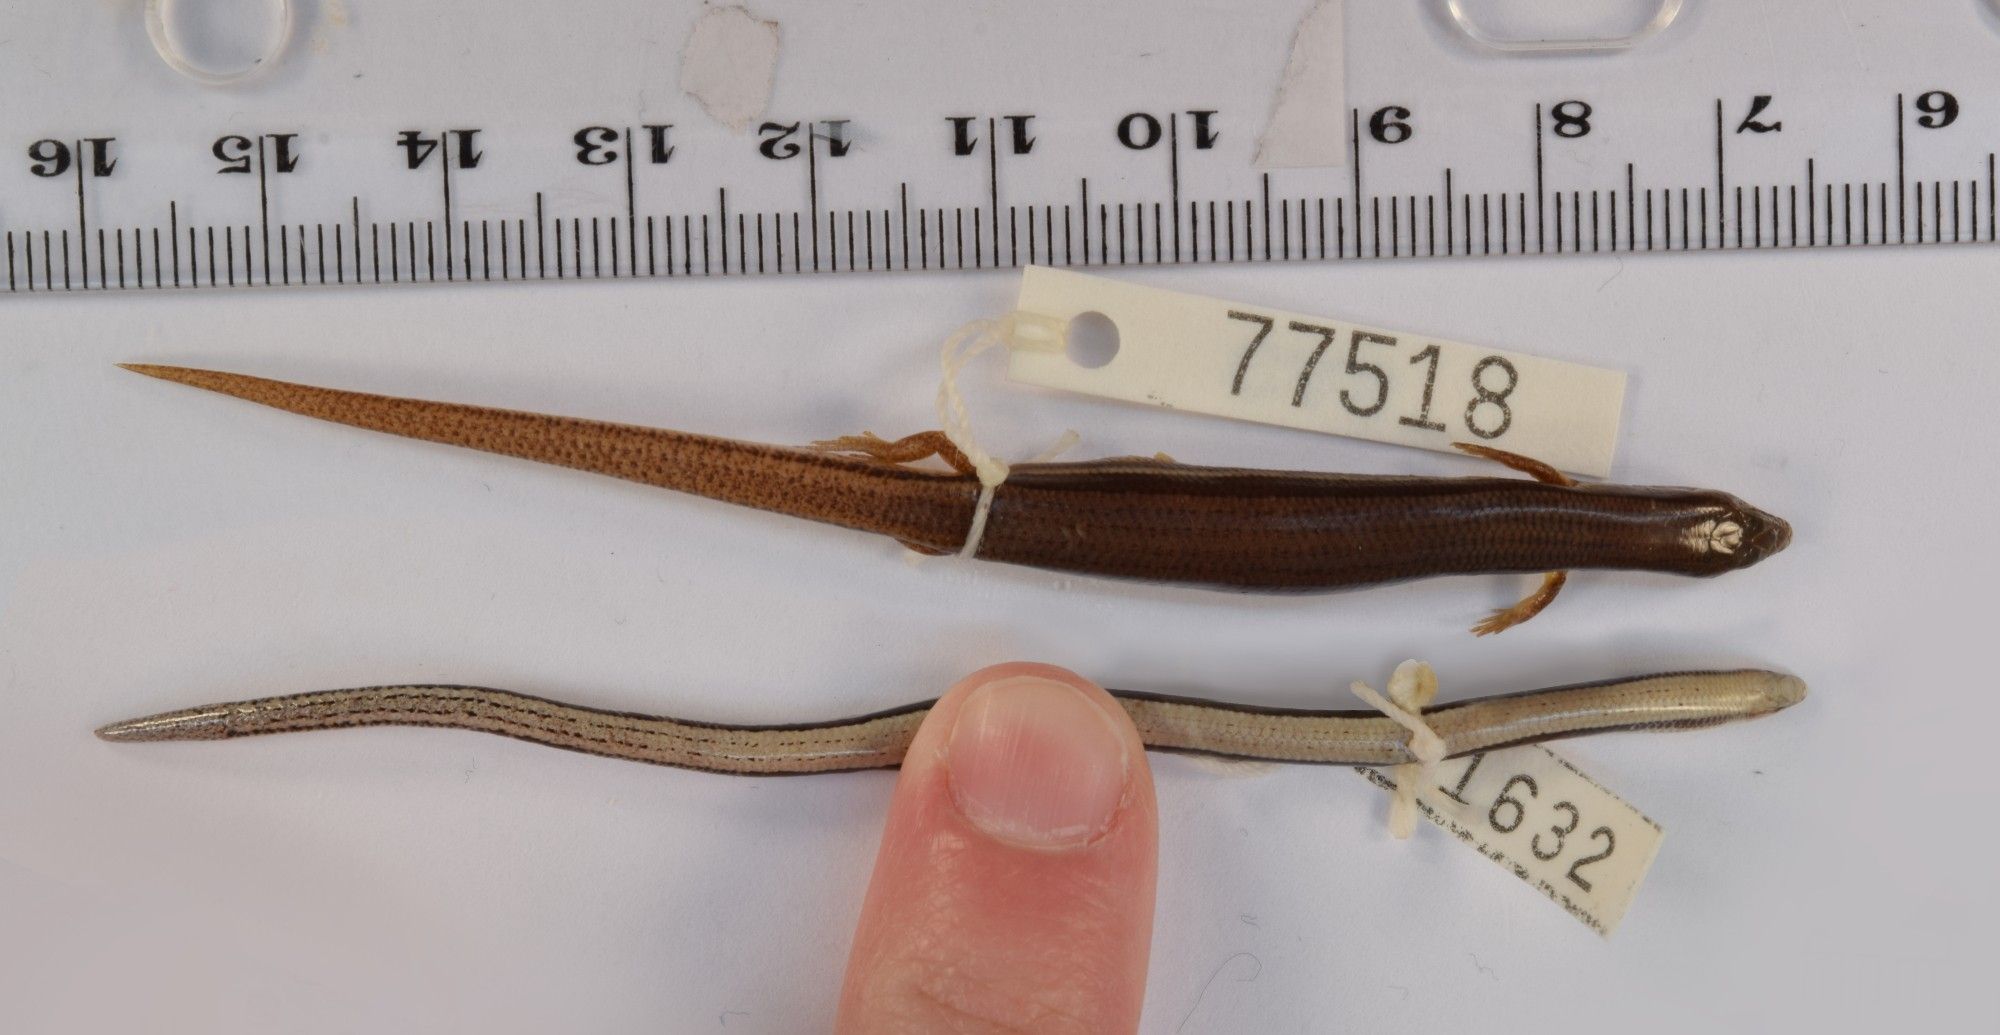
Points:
x=1721 y=194
x=1631 y=209
x=903 y=202
x=1354 y=156
x=541 y=256
x=1902 y=191
x=263 y=216
x=1450 y=248
x=1541 y=244
x=1812 y=231
x=1611 y=209
x=1541 y=194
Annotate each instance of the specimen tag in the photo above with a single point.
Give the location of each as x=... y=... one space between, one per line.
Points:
x=1547 y=823
x=1187 y=352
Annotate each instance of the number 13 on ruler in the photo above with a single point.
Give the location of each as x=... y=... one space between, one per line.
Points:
x=1209 y=356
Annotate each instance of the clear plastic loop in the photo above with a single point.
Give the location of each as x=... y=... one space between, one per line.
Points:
x=177 y=58
x=1464 y=15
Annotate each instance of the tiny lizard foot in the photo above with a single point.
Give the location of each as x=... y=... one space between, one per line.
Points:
x=902 y=452
x=1531 y=605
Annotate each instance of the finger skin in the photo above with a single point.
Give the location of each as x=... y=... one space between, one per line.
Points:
x=966 y=932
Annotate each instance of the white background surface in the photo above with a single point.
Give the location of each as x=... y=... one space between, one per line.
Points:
x=1825 y=869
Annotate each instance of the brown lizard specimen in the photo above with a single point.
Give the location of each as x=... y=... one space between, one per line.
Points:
x=1146 y=519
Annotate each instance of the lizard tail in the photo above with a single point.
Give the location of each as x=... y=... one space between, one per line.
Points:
x=924 y=507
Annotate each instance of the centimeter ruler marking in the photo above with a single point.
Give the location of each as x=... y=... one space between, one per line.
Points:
x=1809 y=213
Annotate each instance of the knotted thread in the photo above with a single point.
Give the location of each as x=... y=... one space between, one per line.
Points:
x=1412 y=688
x=1015 y=330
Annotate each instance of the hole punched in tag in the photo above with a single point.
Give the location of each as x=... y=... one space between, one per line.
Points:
x=220 y=42
x=1093 y=340
x=1561 y=26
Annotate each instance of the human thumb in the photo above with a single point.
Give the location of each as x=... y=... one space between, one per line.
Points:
x=1014 y=887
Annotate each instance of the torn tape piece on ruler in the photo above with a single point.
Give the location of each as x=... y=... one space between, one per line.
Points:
x=1205 y=355
x=1545 y=822
x=1307 y=127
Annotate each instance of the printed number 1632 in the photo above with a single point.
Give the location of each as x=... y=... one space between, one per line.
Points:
x=1509 y=811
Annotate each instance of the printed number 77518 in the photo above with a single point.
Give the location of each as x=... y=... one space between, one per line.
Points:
x=1487 y=401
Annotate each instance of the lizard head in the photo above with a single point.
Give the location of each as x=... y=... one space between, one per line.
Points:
x=1727 y=534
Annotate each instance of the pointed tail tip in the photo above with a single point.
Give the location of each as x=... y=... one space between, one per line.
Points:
x=164 y=373
x=192 y=724
x=117 y=731
x=240 y=385
x=194 y=377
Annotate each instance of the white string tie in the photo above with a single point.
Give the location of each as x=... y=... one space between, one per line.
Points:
x=1412 y=688
x=1015 y=331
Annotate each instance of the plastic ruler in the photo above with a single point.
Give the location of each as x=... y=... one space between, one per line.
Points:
x=450 y=141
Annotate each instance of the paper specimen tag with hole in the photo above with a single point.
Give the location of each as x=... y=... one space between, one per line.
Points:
x=1186 y=352
x=1547 y=823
